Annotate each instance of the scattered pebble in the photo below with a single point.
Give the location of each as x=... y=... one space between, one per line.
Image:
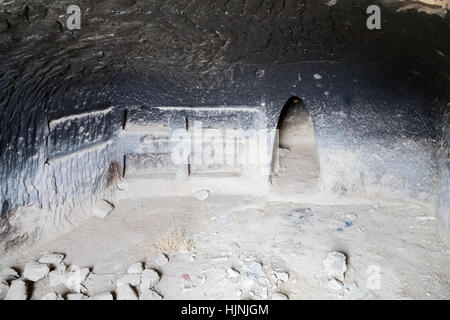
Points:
x=149 y=278
x=335 y=265
x=52 y=258
x=317 y=76
x=61 y=267
x=282 y=276
x=353 y=287
x=3 y=290
x=35 y=271
x=52 y=296
x=17 y=291
x=76 y=296
x=8 y=274
x=186 y=277
x=102 y=209
x=161 y=259
x=136 y=268
x=233 y=273
x=279 y=296
x=253 y=273
x=235 y=246
x=335 y=284
x=125 y=292
x=133 y=279
x=56 y=277
x=74 y=278
x=149 y=294
x=99 y=283
x=102 y=296
x=202 y=195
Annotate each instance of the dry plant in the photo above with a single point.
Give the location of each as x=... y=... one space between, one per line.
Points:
x=173 y=241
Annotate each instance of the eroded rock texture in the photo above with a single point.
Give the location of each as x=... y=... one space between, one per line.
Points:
x=64 y=95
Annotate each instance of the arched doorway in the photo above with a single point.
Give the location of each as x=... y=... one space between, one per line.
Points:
x=298 y=170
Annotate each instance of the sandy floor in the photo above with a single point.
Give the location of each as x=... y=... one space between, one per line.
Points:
x=399 y=239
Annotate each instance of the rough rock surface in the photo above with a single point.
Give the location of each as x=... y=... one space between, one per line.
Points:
x=3 y=290
x=52 y=258
x=335 y=265
x=102 y=209
x=68 y=91
x=125 y=292
x=52 y=296
x=76 y=296
x=161 y=260
x=149 y=278
x=8 y=274
x=253 y=274
x=136 y=268
x=56 y=277
x=149 y=294
x=74 y=278
x=17 y=291
x=133 y=279
x=102 y=296
x=98 y=283
x=279 y=296
x=35 y=271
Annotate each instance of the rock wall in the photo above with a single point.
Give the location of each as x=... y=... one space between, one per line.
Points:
x=443 y=160
x=64 y=94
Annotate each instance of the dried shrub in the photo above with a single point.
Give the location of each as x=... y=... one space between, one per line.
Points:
x=174 y=241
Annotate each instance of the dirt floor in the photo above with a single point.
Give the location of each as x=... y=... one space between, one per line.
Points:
x=254 y=247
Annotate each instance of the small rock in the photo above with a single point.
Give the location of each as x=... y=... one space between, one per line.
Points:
x=133 y=279
x=3 y=290
x=279 y=296
x=161 y=259
x=52 y=258
x=125 y=292
x=99 y=283
x=335 y=284
x=61 y=267
x=264 y=293
x=335 y=265
x=253 y=272
x=282 y=276
x=56 y=277
x=202 y=195
x=352 y=288
x=17 y=291
x=149 y=294
x=235 y=246
x=8 y=274
x=149 y=278
x=102 y=296
x=135 y=268
x=351 y=217
x=76 y=296
x=233 y=273
x=102 y=209
x=35 y=271
x=74 y=278
x=52 y=296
